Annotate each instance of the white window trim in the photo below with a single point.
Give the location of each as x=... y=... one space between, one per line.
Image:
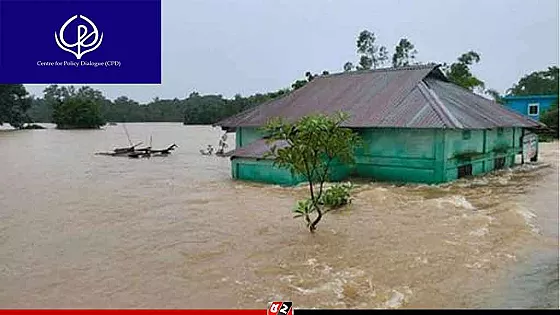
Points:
x=529 y=109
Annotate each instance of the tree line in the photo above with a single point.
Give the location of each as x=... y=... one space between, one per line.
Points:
x=194 y=109
x=85 y=107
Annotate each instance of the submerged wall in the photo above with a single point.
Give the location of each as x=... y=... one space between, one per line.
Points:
x=485 y=146
x=407 y=155
x=263 y=170
x=400 y=155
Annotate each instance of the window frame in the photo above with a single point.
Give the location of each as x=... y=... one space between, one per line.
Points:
x=530 y=105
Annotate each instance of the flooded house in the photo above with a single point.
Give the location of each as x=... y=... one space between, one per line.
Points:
x=416 y=126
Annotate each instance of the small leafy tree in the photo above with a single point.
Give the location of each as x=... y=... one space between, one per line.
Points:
x=314 y=143
x=460 y=73
x=371 y=54
x=405 y=53
x=348 y=66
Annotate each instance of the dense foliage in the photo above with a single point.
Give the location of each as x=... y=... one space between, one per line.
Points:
x=314 y=144
x=73 y=108
x=337 y=195
x=195 y=109
x=459 y=72
x=537 y=83
x=14 y=103
x=550 y=118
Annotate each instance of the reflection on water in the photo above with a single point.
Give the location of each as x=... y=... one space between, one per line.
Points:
x=79 y=230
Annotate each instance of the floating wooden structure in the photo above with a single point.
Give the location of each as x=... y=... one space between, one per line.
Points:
x=132 y=152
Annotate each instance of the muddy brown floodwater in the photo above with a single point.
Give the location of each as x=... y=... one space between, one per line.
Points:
x=79 y=230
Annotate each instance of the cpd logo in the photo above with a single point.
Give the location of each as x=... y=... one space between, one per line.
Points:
x=86 y=41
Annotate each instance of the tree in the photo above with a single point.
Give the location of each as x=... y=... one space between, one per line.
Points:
x=14 y=103
x=75 y=108
x=550 y=117
x=123 y=109
x=495 y=95
x=348 y=66
x=538 y=82
x=314 y=143
x=298 y=84
x=40 y=111
x=460 y=73
x=381 y=58
x=365 y=63
x=404 y=53
x=371 y=55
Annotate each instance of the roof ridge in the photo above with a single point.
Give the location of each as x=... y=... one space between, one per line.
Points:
x=386 y=69
x=441 y=110
x=479 y=114
x=388 y=97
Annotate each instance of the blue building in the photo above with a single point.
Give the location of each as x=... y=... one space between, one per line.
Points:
x=530 y=105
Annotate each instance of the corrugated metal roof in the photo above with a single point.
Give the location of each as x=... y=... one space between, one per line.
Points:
x=406 y=97
x=472 y=111
x=257 y=149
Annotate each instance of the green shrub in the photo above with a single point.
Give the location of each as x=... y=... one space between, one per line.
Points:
x=303 y=207
x=337 y=195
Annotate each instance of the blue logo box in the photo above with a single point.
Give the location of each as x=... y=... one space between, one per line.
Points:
x=90 y=41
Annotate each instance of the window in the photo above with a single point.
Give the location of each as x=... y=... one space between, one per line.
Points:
x=499 y=163
x=466 y=134
x=500 y=131
x=464 y=171
x=533 y=109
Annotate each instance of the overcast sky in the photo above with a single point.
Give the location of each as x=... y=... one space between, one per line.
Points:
x=247 y=46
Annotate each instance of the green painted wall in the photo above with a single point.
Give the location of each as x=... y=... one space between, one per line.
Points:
x=402 y=155
x=490 y=144
x=262 y=171
x=246 y=135
x=390 y=154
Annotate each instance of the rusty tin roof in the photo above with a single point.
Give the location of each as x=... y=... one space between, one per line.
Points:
x=406 y=97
